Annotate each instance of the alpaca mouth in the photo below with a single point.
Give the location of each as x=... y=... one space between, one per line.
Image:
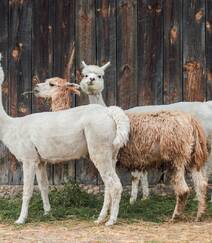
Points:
x=35 y=92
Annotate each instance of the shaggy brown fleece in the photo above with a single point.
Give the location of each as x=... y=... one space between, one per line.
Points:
x=170 y=136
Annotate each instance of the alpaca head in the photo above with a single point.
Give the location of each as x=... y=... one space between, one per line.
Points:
x=92 y=82
x=55 y=86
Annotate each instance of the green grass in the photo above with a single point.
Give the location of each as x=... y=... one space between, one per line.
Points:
x=72 y=202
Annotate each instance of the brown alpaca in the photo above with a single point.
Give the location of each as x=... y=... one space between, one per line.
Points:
x=58 y=90
x=173 y=138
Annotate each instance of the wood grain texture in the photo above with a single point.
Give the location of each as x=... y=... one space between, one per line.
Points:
x=64 y=28
x=4 y=10
x=150 y=52
x=172 y=51
x=20 y=45
x=42 y=57
x=85 y=50
x=126 y=53
x=208 y=47
x=41 y=49
x=106 y=45
x=106 y=48
x=126 y=95
x=194 y=50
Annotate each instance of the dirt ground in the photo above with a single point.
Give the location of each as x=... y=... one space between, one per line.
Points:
x=83 y=231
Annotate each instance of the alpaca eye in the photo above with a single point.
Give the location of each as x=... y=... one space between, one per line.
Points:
x=86 y=76
x=99 y=76
x=51 y=85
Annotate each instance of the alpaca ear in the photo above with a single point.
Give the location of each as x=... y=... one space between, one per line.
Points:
x=104 y=67
x=73 y=88
x=77 y=86
x=84 y=64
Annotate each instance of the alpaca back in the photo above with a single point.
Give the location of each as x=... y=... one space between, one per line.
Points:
x=162 y=136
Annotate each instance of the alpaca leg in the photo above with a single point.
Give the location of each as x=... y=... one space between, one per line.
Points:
x=106 y=205
x=136 y=175
x=113 y=188
x=145 y=184
x=115 y=192
x=29 y=176
x=200 y=185
x=107 y=198
x=42 y=178
x=181 y=191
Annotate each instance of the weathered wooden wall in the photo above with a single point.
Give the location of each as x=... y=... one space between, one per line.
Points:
x=161 y=52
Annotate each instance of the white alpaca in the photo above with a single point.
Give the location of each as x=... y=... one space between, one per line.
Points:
x=93 y=85
x=92 y=130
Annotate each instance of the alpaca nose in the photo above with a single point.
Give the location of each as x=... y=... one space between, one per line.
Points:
x=91 y=81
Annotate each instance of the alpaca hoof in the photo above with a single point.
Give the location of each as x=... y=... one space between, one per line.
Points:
x=20 y=221
x=197 y=219
x=176 y=217
x=99 y=221
x=132 y=201
x=171 y=221
x=110 y=222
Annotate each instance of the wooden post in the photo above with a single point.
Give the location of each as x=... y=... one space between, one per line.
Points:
x=64 y=35
x=150 y=52
x=194 y=50
x=42 y=54
x=209 y=49
x=4 y=11
x=106 y=45
x=85 y=50
x=172 y=51
x=20 y=45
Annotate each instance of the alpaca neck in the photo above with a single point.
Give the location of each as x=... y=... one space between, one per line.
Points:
x=61 y=101
x=96 y=99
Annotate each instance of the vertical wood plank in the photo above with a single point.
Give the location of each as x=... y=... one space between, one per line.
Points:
x=4 y=172
x=40 y=50
x=42 y=57
x=172 y=51
x=126 y=61
x=209 y=49
x=106 y=46
x=194 y=50
x=20 y=24
x=126 y=53
x=63 y=40
x=150 y=52
x=85 y=50
x=150 y=58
